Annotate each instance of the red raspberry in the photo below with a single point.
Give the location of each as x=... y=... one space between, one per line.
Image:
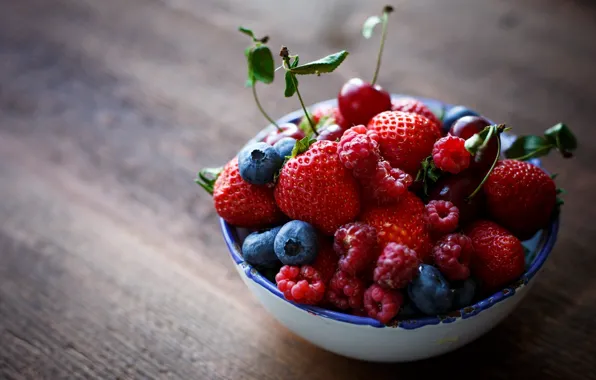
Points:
x=300 y=284
x=450 y=154
x=388 y=184
x=396 y=266
x=382 y=304
x=452 y=254
x=355 y=243
x=345 y=291
x=442 y=216
x=358 y=152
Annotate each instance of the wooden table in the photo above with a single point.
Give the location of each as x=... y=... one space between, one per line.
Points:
x=111 y=262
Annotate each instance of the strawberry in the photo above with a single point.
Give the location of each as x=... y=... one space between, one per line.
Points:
x=499 y=256
x=412 y=105
x=521 y=197
x=240 y=203
x=403 y=222
x=406 y=139
x=316 y=188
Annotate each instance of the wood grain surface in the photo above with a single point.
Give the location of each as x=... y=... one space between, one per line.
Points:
x=111 y=262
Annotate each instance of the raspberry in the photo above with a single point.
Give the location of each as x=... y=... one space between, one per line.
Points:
x=450 y=154
x=356 y=243
x=452 y=254
x=388 y=184
x=442 y=216
x=345 y=291
x=396 y=266
x=359 y=152
x=300 y=284
x=382 y=304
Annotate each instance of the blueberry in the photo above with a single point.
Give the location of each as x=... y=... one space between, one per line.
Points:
x=455 y=113
x=430 y=291
x=464 y=293
x=285 y=146
x=296 y=243
x=257 y=248
x=258 y=163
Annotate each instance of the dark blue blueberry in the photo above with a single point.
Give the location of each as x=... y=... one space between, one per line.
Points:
x=430 y=291
x=258 y=163
x=296 y=243
x=257 y=248
x=285 y=146
x=409 y=311
x=464 y=293
x=455 y=113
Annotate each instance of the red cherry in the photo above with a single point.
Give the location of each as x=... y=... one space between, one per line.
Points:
x=456 y=190
x=359 y=101
x=465 y=128
x=287 y=130
x=331 y=132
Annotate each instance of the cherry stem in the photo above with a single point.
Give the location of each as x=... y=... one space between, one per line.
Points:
x=254 y=94
x=497 y=129
x=388 y=9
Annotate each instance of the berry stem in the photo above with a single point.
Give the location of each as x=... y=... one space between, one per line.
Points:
x=533 y=153
x=388 y=9
x=284 y=53
x=495 y=129
x=254 y=94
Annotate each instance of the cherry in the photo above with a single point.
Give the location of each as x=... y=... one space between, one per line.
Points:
x=331 y=132
x=360 y=101
x=285 y=130
x=465 y=128
x=456 y=189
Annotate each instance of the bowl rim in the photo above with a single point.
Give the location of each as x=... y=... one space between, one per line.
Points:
x=547 y=241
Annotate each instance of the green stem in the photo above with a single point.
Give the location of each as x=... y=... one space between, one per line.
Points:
x=531 y=154
x=254 y=94
x=312 y=125
x=491 y=168
x=388 y=9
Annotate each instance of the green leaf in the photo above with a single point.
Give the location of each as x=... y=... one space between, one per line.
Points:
x=369 y=26
x=248 y=53
x=263 y=66
x=428 y=173
x=295 y=63
x=206 y=178
x=526 y=147
x=323 y=65
x=291 y=84
x=302 y=146
x=554 y=176
x=247 y=31
x=561 y=136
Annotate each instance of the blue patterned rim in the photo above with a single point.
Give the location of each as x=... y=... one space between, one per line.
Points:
x=548 y=238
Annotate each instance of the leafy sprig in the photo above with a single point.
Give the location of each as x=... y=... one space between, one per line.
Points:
x=558 y=137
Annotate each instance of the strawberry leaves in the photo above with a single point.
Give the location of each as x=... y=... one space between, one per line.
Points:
x=302 y=146
x=558 y=137
x=428 y=173
x=206 y=178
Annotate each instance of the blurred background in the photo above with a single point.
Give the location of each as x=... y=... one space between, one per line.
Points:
x=108 y=109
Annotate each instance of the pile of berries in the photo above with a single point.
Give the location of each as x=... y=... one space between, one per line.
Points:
x=380 y=207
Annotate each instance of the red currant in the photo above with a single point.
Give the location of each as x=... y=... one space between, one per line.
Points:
x=360 y=101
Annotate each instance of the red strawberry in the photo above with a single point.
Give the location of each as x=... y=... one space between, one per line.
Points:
x=403 y=222
x=499 y=256
x=242 y=204
x=521 y=197
x=416 y=106
x=405 y=138
x=316 y=188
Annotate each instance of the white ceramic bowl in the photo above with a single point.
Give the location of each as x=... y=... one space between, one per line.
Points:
x=407 y=340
